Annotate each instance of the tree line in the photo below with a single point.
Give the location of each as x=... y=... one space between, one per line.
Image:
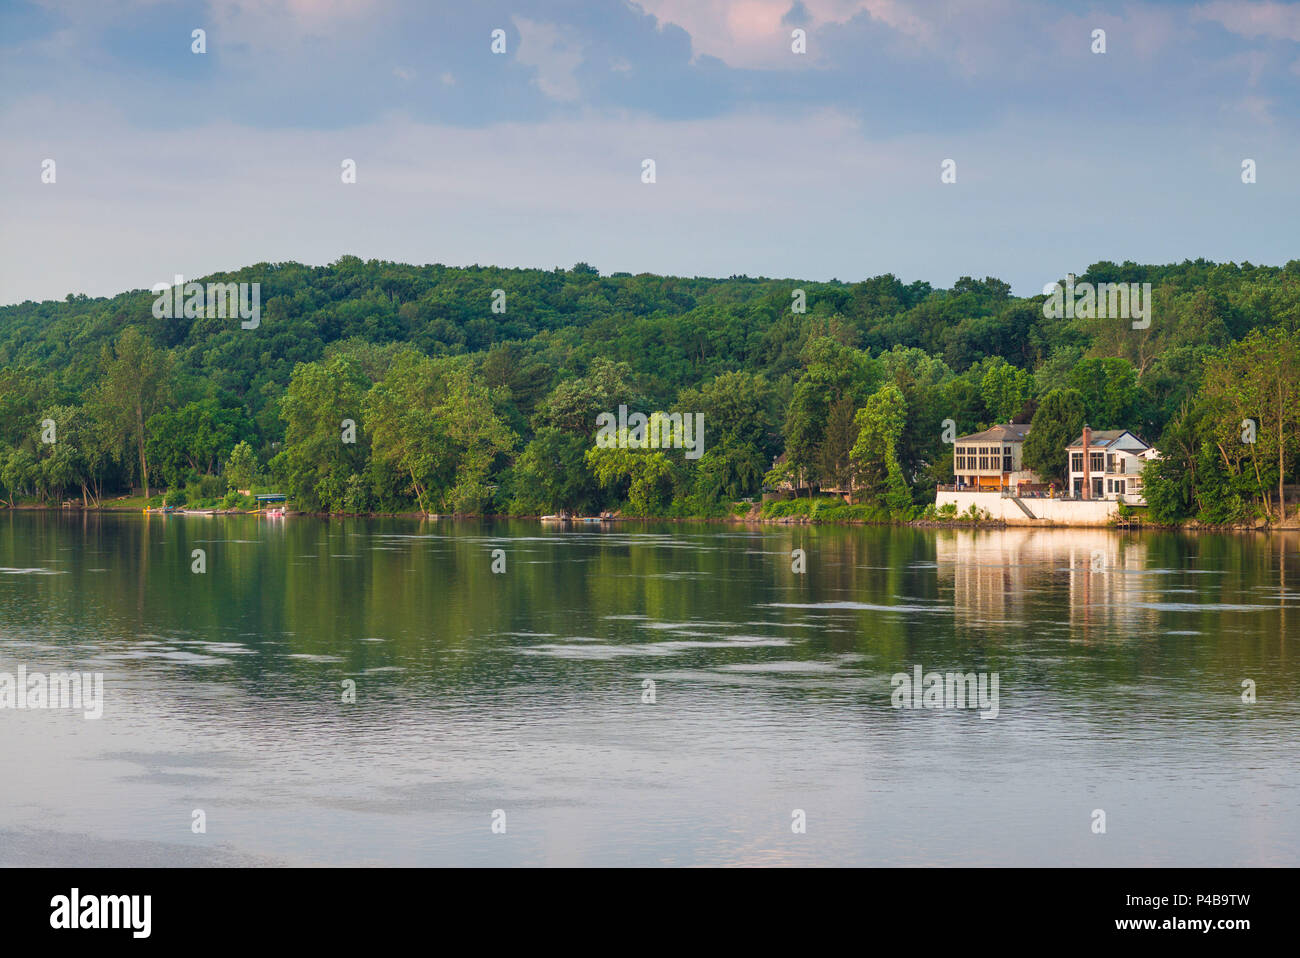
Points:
x=455 y=407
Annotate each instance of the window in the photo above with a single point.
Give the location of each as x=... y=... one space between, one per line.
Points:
x=961 y=462
x=1096 y=462
x=1076 y=462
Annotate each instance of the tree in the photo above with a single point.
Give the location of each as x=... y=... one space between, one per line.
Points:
x=1169 y=483
x=78 y=456
x=193 y=439
x=875 y=453
x=1109 y=388
x=241 y=467
x=1258 y=378
x=316 y=461
x=575 y=403
x=832 y=455
x=133 y=386
x=479 y=434
x=439 y=425
x=927 y=386
x=1058 y=421
x=647 y=474
x=18 y=472
x=552 y=474
x=832 y=372
x=1005 y=390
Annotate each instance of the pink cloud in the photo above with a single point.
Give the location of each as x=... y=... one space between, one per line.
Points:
x=1254 y=19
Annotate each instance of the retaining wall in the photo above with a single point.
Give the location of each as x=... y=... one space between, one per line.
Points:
x=1047 y=512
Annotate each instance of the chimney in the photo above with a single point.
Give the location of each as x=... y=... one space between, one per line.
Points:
x=1087 y=477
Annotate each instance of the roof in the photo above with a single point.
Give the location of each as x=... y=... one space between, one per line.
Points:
x=1008 y=432
x=1105 y=438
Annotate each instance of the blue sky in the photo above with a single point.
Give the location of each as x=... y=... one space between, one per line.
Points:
x=820 y=165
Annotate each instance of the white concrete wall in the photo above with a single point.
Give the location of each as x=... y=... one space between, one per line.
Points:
x=1046 y=511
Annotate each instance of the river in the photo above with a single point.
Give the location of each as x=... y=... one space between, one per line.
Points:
x=646 y=694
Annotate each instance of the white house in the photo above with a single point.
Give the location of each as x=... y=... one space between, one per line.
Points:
x=990 y=461
x=1107 y=464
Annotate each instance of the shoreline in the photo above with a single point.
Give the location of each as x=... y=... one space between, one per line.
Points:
x=1291 y=524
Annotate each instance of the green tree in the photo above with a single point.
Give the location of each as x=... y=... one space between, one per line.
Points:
x=437 y=424
x=1005 y=390
x=875 y=453
x=1109 y=387
x=1257 y=378
x=832 y=373
x=575 y=403
x=193 y=439
x=241 y=467
x=316 y=461
x=552 y=474
x=18 y=472
x=133 y=385
x=1058 y=421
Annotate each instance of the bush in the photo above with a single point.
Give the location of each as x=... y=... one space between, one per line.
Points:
x=211 y=488
x=944 y=513
x=826 y=509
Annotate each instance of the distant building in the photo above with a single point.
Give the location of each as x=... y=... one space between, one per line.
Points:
x=1108 y=464
x=991 y=461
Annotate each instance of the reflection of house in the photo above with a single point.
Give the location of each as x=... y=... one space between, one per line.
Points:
x=990 y=461
x=1052 y=581
x=1107 y=464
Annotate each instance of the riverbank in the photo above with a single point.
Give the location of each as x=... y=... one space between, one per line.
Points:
x=1291 y=524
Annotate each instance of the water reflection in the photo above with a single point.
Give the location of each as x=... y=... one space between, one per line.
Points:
x=1121 y=658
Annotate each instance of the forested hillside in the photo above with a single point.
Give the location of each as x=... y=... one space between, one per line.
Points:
x=460 y=408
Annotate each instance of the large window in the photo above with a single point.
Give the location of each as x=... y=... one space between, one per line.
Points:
x=1096 y=462
x=1076 y=462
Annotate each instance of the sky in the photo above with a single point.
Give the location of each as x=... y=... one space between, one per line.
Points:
x=768 y=162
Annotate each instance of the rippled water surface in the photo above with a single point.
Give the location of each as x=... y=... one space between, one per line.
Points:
x=1120 y=660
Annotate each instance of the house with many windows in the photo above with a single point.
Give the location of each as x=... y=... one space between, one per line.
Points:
x=1107 y=464
x=1105 y=473
x=990 y=461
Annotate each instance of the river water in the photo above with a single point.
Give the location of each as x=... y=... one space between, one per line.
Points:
x=646 y=694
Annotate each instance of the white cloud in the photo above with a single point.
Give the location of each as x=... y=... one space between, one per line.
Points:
x=554 y=53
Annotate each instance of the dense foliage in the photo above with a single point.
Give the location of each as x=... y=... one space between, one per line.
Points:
x=456 y=407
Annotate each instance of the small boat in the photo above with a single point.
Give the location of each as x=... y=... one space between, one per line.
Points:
x=562 y=516
x=276 y=513
x=198 y=512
